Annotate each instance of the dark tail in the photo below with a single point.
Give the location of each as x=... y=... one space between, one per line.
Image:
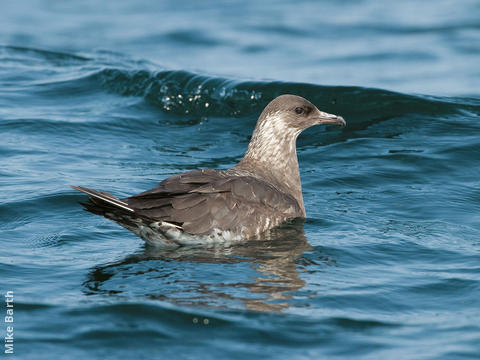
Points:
x=100 y=202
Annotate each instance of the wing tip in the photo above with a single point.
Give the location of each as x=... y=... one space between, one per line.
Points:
x=94 y=194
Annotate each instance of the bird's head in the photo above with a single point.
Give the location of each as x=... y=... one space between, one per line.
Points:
x=279 y=124
x=294 y=113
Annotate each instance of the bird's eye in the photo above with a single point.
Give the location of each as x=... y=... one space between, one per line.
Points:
x=299 y=110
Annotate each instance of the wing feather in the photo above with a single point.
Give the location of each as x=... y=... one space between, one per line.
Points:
x=204 y=200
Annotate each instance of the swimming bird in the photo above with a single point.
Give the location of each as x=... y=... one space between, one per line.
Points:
x=207 y=206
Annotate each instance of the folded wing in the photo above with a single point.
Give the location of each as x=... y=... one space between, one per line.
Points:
x=203 y=201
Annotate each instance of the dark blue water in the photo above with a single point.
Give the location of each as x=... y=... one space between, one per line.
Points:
x=119 y=96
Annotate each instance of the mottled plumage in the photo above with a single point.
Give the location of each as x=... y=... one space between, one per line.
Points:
x=205 y=206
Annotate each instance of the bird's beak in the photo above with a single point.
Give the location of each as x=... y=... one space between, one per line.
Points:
x=326 y=118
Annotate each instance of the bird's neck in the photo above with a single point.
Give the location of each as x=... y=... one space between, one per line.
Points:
x=272 y=155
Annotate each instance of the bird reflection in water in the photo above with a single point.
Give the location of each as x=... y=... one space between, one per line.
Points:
x=257 y=275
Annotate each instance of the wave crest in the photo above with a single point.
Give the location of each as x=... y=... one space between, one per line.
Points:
x=182 y=92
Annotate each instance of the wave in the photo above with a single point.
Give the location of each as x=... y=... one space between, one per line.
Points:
x=186 y=93
x=41 y=53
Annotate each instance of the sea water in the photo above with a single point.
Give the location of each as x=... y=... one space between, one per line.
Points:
x=119 y=95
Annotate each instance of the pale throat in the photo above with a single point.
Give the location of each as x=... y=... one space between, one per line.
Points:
x=273 y=151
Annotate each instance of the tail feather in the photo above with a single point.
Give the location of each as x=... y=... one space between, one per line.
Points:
x=104 y=197
x=155 y=231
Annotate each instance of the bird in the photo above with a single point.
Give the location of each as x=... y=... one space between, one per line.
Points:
x=209 y=206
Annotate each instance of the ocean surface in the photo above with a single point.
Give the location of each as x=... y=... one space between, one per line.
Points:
x=118 y=96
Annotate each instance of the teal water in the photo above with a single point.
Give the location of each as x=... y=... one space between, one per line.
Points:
x=118 y=97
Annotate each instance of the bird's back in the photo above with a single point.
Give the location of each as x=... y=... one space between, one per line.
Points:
x=203 y=202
